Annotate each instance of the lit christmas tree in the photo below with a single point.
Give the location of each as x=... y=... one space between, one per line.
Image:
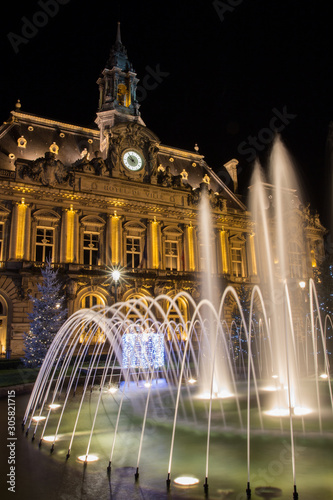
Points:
x=47 y=316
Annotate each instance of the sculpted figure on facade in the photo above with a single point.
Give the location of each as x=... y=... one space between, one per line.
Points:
x=152 y=161
x=99 y=165
x=165 y=177
x=47 y=170
x=113 y=151
x=83 y=165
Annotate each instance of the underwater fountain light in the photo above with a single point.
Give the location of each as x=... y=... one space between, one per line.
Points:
x=191 y=381
x=113 y=390
x=38 y=418
x=275 y=376
x=215 y=395
x=278 y=412
x=323 y=375
x=54 y=406
x=302 y=284
x=186 y=481
x=88 y=458
x=50 y=439
x=298 y=411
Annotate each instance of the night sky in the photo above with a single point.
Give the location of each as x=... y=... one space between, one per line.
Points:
x=227 y=74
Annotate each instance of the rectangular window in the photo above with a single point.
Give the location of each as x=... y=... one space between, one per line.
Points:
x=44 y=244
x=236 y=262
x=295 y=260
x=171 y=255
x=90 y=248
x=133 y=252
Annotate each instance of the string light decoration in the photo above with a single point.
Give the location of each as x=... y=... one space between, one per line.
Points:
x=143 y=348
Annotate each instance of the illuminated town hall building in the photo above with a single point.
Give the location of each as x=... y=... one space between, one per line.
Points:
x=93 y=199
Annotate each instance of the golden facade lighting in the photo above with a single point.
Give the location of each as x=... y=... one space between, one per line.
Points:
x=155 y=246
x=253 y=255
x=223 y=241
x=70 y=215
x=20 y=234
x=115 y=239
x=190 y=237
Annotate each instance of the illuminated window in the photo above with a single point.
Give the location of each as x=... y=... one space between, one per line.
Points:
x=236 y=262
x=44 y=244
x=90 y=248
x=87 y=302
x=133 y=251
x=123 y=95
x=172 y=244
x=171 y=254
x=139 y=311
x=91 y=240
x=176 y=320
x=295 y=260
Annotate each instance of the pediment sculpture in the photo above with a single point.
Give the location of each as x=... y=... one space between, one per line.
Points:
x=47 y=170
x=96 y=165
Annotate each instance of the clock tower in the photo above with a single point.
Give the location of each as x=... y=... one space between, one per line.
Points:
x=117 y=92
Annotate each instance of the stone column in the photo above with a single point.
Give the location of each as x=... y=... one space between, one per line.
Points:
x=224 y=251
x=154 y=244
x=69 y=236
x=252 y=255
x=19 y=246
x=113 y=240
x=190 y=253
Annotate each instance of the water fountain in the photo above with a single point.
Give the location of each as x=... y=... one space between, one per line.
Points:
x=127 y=380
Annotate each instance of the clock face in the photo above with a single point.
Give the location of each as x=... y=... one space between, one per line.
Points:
x=132 y=160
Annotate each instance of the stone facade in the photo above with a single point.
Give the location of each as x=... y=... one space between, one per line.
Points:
x=115 y=196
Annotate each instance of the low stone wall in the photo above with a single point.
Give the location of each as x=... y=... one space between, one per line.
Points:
x=19 y=389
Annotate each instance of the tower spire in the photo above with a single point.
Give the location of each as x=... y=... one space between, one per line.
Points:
x=118 y=39
x=117 y=89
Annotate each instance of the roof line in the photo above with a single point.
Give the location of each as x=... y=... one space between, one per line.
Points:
x=6 y=127
x=47 y=121
x=181 y=152
x=225 y=187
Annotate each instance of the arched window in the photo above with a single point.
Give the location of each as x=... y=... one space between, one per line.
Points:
x=88 y=301
x=176 y=320
x=139 y=310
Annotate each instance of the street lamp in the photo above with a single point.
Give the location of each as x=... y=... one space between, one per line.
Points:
x=115 y=276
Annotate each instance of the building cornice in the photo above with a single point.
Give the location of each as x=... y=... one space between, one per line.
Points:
x=46 y=122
